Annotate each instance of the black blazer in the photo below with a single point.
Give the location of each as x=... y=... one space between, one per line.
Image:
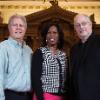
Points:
x=36 y=71
x=85 y=76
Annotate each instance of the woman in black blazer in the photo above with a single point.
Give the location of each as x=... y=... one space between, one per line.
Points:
x=49 y=66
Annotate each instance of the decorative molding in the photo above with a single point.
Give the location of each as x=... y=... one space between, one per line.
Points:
x=22 y=7
x=45 y=7
x=81 y=7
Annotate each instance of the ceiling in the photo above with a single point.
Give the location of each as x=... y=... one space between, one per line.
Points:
x=51 y=0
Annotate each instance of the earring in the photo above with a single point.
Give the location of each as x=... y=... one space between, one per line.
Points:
x=46 y=40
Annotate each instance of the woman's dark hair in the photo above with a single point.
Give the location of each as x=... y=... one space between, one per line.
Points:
x=60 y=33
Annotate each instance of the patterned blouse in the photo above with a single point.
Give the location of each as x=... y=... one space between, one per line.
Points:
x=54 y=68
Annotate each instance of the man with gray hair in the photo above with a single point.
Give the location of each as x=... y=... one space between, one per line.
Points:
x=85 y=61
x=15 y=62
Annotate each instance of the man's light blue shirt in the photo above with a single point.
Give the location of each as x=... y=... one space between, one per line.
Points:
x=15 y=64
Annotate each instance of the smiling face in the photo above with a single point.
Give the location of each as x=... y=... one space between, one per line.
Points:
x=52 y=36
x=83 y=27
x=17 y=29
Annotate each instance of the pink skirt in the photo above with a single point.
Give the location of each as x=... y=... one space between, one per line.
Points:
x=49 y=96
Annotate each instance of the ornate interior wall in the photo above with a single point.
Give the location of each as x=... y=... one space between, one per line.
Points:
x=8 y=8
x=38 y=13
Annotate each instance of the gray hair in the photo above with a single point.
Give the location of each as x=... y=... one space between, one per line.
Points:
x=17 y=16
x=86 y=16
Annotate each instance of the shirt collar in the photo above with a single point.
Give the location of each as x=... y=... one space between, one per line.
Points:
x=16 y=43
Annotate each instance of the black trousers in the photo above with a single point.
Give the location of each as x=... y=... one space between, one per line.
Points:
x=12 y=95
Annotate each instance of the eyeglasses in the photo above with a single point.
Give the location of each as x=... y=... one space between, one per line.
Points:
x=81 y=24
